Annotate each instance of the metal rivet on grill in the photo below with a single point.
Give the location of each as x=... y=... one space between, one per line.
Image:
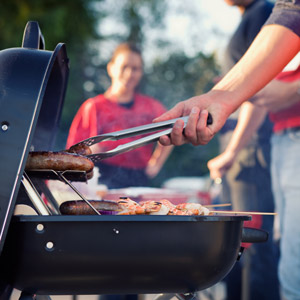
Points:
x=4 y=126
x=40 y=228
x=218 y=180
x=49 y=246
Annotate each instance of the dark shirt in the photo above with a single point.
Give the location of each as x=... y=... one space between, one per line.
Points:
x=253 y=18
x=287 y=14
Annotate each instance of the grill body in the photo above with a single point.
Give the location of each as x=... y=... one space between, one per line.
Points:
x=119 y=254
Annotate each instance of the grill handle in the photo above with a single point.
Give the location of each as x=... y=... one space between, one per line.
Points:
x=253 y=235
x=33 y=37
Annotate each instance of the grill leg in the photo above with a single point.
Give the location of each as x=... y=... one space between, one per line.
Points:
x=26 y=296
x=5 y=292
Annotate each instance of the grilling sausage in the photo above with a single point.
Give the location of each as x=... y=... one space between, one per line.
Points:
x=80 y=207
x=58 y=161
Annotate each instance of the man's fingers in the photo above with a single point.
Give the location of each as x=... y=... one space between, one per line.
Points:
x=173 y=113
x=196 y=130
x=165 y=140
x=177 y=136
x=190 y=129
x=204 y=133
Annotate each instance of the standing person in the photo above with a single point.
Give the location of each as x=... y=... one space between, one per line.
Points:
x=285 y=176
x=247 y=183
x=121 y=107
x=276 y=44
x=285 y=151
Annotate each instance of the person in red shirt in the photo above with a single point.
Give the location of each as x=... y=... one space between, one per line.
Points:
x=121 y=107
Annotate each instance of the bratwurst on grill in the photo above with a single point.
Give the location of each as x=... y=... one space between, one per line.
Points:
x=80 y=207
x=58 y=161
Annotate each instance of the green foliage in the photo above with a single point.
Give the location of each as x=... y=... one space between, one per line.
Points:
x=180 y=77
x=137 y=12
x=69 y=21
x=72 y=22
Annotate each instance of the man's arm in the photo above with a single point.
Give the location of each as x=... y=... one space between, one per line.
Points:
x=278 y=95
x=269 y=53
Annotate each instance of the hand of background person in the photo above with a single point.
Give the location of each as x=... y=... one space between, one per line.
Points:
x=157 y=160
x=196 y=131
x=152 y=170
x=220 y=164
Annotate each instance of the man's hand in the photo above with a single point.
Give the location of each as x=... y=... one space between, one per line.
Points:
x=197 y=132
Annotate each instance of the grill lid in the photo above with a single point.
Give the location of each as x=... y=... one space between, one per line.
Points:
x=32 y=88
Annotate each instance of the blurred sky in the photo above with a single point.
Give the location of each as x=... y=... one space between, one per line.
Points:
x=202 y=24
x=190 y=26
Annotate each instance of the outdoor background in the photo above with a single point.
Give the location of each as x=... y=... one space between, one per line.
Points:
x=182 y=43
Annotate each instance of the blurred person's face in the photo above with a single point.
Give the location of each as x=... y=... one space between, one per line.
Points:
x=126 y=70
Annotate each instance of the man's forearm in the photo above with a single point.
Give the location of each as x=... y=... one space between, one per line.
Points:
x=278 y=95
x=274 y=43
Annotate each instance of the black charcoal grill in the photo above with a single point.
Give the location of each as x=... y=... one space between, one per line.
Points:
x=52 y=254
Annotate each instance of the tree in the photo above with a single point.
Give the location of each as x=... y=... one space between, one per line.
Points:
x=73 y=22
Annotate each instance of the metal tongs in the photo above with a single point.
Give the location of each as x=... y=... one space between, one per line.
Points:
x=162 y=128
